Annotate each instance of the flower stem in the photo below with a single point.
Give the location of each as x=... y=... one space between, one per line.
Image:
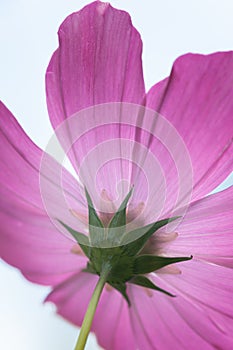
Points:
x=88 y=318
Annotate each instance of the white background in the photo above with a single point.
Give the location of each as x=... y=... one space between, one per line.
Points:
x=27 y=39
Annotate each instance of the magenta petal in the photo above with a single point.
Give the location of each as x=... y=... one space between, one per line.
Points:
x=73 y=295
x=206 y=230
x=157 y=325
x=20 y=160
x=30 y=242
x=28 y=239
x=24 y=167
x=98 y=61
x=206 y=290
x=116 y=333
x=198 y=100
x=33 y=176
x=207 y=284
x=161 y=322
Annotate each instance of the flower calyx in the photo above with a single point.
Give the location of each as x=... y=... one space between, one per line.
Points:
x=119 y=251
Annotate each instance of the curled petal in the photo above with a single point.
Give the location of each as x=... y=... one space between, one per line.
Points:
x=197 y=99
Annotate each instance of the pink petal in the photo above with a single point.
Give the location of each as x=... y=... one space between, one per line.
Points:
x=204 y=300
x=206 y=230
x=24 y=167
x=162 y=322
x=20 y=160
x=206 y=284
x=197 y=99
x=116 y=333
x=98 y=61
x=28 y=239
x=30 y=242
x=73 y=295
x=157 y=325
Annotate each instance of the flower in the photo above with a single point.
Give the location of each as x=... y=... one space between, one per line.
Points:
x=99 y=62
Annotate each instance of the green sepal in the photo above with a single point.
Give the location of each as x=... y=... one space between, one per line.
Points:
x=121 y=287
x=145 y=282
x=116 y=227
x=81 y=239
x=122 y=269
x=96 y=227
x=135 y=240
x=149 y=263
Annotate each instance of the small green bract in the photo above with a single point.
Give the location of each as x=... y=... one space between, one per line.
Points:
x=114 y=249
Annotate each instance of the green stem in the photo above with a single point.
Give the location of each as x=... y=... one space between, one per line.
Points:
x=88 y=318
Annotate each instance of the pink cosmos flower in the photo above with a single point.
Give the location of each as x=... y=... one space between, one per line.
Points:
x=99 y=62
